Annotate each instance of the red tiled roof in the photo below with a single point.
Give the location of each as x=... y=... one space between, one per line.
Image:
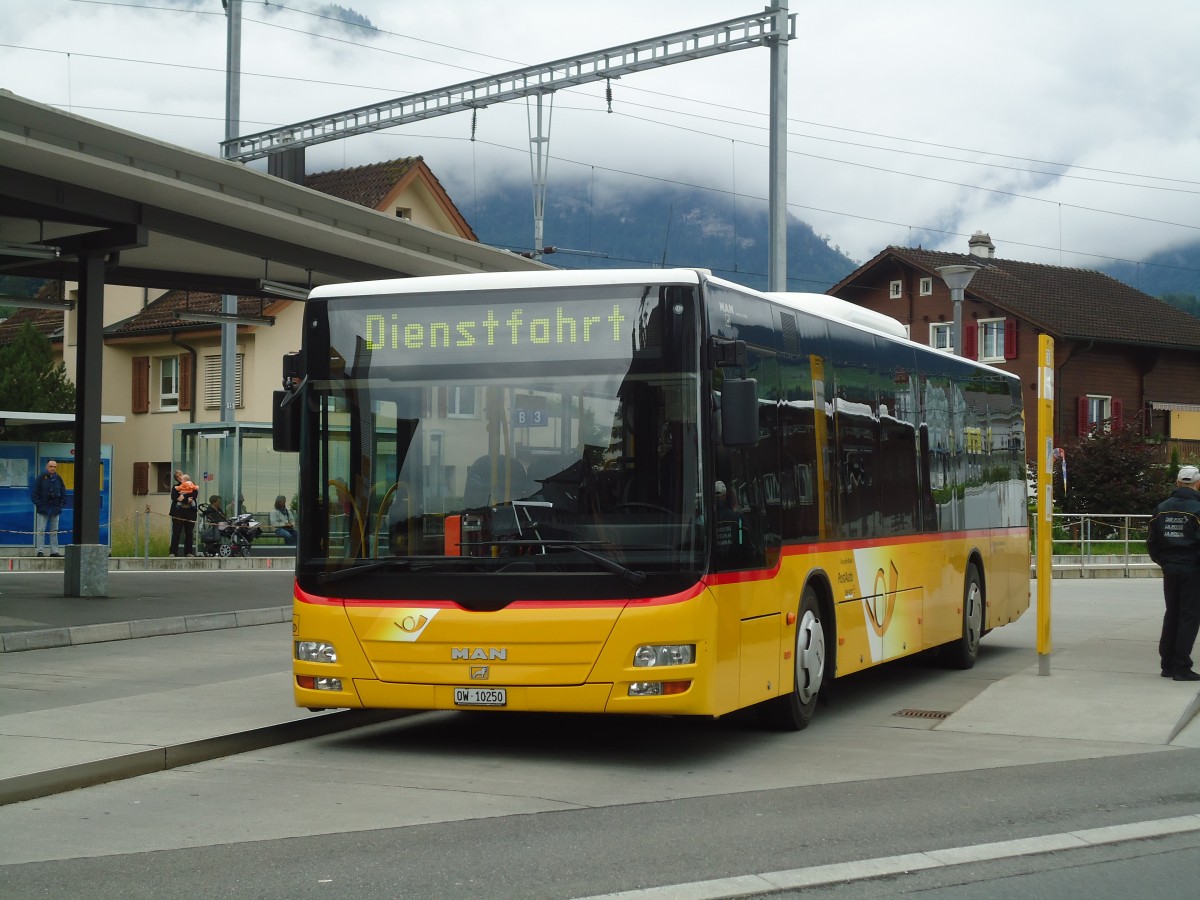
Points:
x=365 y=185
x=47 y=321
x=159 y=316
x=1068 y=304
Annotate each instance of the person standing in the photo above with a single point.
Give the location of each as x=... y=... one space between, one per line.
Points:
x=282 y=522
x=183 y=513
x=1173 y=540
x=49 y=495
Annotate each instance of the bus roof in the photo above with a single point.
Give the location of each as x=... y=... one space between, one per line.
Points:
x=509 y=280
x=835 y=308
x=822 y=305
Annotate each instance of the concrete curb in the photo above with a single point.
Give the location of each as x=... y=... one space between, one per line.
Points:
x=71 y=636
x=1186 y=719
x=159 y=759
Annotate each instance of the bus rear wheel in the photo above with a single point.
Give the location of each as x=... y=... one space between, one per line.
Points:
x=962 y=653
x=794 y=711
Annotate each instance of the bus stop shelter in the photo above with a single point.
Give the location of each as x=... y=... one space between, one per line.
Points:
x=86 y=202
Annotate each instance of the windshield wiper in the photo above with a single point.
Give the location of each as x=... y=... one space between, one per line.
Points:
x=362 y=569
x=633 y=576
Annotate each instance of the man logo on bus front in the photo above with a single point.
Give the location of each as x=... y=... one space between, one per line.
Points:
x=480 y=673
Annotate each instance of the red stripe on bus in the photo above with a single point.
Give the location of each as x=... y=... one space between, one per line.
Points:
x=765 y=574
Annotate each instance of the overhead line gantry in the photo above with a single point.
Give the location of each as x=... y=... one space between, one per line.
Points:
x=773 y=27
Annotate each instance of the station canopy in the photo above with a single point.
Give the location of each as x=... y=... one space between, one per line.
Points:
x=167 y=217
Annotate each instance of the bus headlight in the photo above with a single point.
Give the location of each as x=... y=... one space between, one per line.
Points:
x=664 y=655
x=316 y=651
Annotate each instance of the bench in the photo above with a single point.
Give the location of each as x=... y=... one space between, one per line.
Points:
x=268 y=535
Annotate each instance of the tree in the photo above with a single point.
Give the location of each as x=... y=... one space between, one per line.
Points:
x=1114 y=472
x=31 y=381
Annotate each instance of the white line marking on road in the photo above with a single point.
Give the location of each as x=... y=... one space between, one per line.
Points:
x=863 y=869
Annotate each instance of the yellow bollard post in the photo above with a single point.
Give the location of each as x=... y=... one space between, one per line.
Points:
x=1045 y=498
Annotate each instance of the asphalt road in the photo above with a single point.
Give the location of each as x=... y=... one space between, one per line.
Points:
x=557 y=848
x=470 y=805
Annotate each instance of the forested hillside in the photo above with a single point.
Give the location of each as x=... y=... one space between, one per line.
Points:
x=662 y=226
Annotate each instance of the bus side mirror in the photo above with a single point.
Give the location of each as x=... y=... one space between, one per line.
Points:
x=293 y=369
x=739 y=412
x=285 y=422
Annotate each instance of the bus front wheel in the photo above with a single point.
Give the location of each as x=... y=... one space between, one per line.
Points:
x=962 y=653
x=794 y=711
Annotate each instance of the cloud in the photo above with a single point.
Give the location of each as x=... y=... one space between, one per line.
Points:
x=1053 y=126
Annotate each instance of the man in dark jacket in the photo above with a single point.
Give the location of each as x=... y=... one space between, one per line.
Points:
x=49 y=494
x=1173 y=540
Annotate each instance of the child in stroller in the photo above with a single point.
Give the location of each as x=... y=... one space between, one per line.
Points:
x=223 y=536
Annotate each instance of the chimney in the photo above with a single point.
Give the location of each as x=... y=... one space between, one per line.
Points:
x=981 y=245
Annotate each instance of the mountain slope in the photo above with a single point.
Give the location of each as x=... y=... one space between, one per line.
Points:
x=663 y=226
x=1171 y=275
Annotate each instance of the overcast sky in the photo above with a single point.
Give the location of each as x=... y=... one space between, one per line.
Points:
x=1067 y=129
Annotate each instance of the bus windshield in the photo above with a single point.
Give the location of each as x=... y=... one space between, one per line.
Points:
x=549 y=430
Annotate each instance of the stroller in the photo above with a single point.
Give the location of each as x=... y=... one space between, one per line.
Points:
x=223 y=536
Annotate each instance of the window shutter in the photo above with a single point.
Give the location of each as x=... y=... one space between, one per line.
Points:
x=443 y=403
x=141 y=384
x=970 y=339
x=1082 y=424
x=185 y=382
x=1118 y=419
x=141 y=479
x=212 y=382
x=1010 y=338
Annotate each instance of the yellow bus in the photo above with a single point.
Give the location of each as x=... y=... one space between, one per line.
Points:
x=636 y=491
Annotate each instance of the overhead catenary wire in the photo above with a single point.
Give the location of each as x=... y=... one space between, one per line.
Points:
x=277 y=7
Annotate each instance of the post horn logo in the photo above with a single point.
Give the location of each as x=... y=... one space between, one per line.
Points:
x=882 y=604
x=412 y=624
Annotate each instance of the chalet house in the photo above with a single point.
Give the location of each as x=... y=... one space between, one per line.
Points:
x=1120 y=356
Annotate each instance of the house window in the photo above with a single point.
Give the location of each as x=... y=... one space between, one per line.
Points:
x=927 y=287
x=212 y=382
x=991 y=340
x=1099 y=412
x=403 y=213
x=894 y=290
x=164 y=477
x=460 y=402
x=941 y=336
x=168 y=383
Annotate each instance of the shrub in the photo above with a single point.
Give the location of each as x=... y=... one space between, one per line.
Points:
x=1114 y=472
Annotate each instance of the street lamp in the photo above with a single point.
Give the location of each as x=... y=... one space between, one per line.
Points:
x=957 y=278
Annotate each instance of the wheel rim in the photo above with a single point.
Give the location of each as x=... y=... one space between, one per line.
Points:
x=810 y=656
x=973 y=616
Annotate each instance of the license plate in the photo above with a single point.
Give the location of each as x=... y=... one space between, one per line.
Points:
x=468 y=696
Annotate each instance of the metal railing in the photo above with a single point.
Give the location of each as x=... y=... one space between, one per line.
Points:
x=1095 y=542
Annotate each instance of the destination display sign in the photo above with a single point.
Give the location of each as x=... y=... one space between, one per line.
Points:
x=528 y=329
